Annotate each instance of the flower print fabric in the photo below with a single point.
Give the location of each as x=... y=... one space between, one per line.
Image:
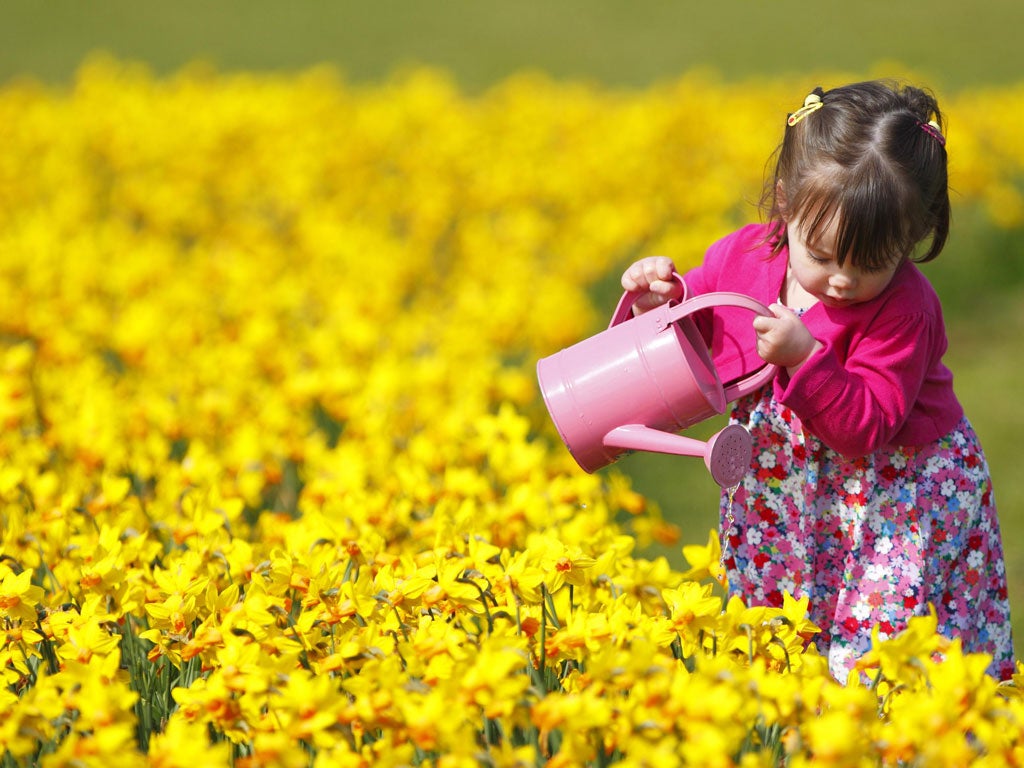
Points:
x=871 y=540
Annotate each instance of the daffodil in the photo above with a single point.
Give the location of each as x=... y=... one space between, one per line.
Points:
x=794 y=614
x=705 y=561
x=210 y=702
x=306 y=707
x=19 y=596
x=523 y=578
x=570 y=567
x=494 y=681
x=184 y=744
x=575 y=718
x=902 y=655
x=84 y=640
x=692 y=611
x=113 y=743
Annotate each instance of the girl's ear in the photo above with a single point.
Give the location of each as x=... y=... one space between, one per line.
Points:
x=780 y=199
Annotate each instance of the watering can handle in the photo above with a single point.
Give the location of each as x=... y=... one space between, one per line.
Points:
x=758 y=378
x=624 y=309
x=677 y=311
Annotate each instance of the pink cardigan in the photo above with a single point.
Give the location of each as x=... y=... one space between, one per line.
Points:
x=879 y=381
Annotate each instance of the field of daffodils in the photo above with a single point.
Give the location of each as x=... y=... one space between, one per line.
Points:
x=277 y=487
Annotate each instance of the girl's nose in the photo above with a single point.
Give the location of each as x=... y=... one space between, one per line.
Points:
x=841 y=280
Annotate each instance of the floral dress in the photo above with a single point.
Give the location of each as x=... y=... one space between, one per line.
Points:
x=871 y=540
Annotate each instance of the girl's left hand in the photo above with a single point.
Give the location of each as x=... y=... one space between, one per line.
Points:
x=784 y=339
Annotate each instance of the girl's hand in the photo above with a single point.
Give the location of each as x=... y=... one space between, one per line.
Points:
x=784 y=339
x=651 y=277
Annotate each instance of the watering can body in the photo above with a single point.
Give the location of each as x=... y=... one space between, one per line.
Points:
x=637 y=384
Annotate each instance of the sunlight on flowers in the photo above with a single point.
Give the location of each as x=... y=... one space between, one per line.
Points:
x=277 y=487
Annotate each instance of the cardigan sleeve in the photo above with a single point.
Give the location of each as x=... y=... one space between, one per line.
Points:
x=858 y=405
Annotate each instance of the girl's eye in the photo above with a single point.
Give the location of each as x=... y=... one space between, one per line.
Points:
x=817 y=259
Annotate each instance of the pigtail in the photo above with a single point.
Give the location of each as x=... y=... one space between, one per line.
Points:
x=928 y=167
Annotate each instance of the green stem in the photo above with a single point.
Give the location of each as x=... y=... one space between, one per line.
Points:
x=548 y=604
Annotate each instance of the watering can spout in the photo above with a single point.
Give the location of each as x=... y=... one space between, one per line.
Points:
x=726 y=454
x=639 y=437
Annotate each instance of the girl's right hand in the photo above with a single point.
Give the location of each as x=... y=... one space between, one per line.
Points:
x=652 y=278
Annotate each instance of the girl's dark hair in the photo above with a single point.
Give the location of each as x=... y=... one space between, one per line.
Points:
x=868 y=157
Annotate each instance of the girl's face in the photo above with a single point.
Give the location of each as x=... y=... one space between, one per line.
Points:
x=815 y=268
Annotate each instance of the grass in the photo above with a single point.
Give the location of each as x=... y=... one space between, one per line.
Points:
x=617 y=42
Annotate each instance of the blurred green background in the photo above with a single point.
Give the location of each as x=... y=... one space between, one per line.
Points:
x=617 y=42
x=947 y=44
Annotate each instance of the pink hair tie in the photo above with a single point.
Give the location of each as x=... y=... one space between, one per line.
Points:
x=933 y=130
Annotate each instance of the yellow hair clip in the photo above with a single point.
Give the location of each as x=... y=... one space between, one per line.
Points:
x=811 y=104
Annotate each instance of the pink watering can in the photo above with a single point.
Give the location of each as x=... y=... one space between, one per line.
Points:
x=633 y=386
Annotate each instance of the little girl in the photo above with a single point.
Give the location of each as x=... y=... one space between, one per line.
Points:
x=868 y=490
